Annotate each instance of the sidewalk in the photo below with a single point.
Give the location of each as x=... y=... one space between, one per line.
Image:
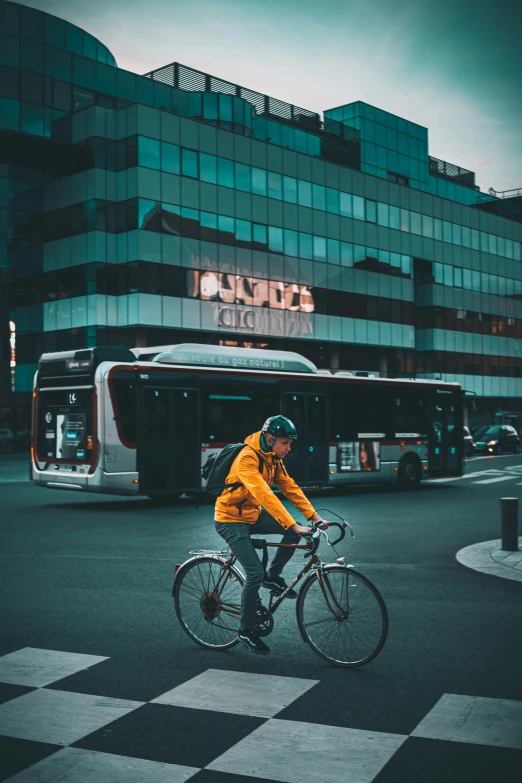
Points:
x=489 y=558
x=14 y=467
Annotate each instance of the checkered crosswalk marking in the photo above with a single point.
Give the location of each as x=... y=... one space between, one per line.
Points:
x=74 y=765
x=95 y=738
x=278 y=749
x=482 y=721
x=59 y=717
x=36 y=667
x=242 y=693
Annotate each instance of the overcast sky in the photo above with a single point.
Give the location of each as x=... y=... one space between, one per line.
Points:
x=454 y=66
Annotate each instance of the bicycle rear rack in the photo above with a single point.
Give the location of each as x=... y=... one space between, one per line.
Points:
x=219 y=552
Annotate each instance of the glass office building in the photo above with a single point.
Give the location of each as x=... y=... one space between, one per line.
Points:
x=178 y=207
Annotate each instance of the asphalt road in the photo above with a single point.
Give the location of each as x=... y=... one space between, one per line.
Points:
x=93 y=575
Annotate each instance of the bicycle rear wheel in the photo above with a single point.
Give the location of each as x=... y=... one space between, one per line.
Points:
x=351 y=628
x=209 y=613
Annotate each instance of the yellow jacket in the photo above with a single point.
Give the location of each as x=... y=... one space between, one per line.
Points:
x=243 y=504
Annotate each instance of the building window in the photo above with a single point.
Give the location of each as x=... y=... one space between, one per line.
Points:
x=398 y=178
x=371 y=211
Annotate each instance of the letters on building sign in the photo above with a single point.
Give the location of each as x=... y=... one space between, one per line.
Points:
x=255 y=292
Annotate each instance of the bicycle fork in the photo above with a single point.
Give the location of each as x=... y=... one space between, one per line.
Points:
x=324 y=583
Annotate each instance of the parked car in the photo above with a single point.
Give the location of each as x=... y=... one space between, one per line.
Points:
x=496 y=439
x=468 y=442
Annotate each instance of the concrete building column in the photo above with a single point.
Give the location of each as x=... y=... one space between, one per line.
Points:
x=383 y=366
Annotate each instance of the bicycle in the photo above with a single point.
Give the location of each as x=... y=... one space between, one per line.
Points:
x=209 y=585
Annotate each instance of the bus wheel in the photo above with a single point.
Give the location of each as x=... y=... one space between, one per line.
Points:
x=410 y=472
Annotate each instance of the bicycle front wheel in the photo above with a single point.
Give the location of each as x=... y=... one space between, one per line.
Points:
x=207 y=600
x=342 y=616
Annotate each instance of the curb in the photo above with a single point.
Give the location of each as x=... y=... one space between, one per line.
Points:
x=488 y=558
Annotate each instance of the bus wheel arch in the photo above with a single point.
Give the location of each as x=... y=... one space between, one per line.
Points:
x=410 y=472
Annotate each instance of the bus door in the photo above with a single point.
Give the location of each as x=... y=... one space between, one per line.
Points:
x=308 y=460
x=169 y=447
x=444 y=441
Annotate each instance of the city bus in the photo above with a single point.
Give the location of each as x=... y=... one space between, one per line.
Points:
x=143 y=421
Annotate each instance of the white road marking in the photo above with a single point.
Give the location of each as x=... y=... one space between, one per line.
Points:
x=493 y=480
x=469 y=475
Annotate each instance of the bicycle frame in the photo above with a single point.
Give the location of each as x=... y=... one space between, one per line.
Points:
x=313 y=562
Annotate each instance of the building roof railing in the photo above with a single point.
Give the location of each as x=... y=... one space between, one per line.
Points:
x=513 y=193
x=182 y=77
x=452 y=173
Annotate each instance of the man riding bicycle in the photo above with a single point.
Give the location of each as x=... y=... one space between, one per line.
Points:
x=250 y=506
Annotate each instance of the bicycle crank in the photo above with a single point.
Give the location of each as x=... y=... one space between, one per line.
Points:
x=265 y=621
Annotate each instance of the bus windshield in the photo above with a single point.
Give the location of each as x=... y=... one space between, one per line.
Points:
x=64 y=424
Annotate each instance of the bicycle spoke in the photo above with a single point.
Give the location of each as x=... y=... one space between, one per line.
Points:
x=355 y=630
x=209 y=613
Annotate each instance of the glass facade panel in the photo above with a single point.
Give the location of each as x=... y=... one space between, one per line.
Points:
x=259 y=186
x=9 y=51
x=346 y=204
x=319 y=248
x=275 y=185
x=148 y=152
x=347 y=254
x=358 y=207
x=189 y=163
x=243 y=180
x=243 y=231
x=291 y=243
x=289 y=190
x=305 y=245
x=304 y=193
x=275 y=239
x=225 y=173
x=32 y=119
x=371 y=211
x=332 y=201
x=170 y=160
x=395 y=218
x=319 y=197
x=333 y=251
x=427 y=226
x=415 y=223
x=457 y=234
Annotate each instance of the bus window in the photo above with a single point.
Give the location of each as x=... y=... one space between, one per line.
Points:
x=361 y=409
x=409 y=412
x=124 y=399
x=229 y=416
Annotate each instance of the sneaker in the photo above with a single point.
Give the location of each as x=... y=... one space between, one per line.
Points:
x=251 y=641
x=278 y=585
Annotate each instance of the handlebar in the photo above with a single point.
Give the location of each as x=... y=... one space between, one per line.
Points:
x=317 y=532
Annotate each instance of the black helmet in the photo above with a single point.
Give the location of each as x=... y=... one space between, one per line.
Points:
x=280 y=427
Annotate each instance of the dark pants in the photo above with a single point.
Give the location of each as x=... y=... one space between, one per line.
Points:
x=237 y=535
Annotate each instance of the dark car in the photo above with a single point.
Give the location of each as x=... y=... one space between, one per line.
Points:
x=496 y=439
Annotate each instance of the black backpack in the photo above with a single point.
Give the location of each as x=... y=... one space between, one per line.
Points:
x=217 y=467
